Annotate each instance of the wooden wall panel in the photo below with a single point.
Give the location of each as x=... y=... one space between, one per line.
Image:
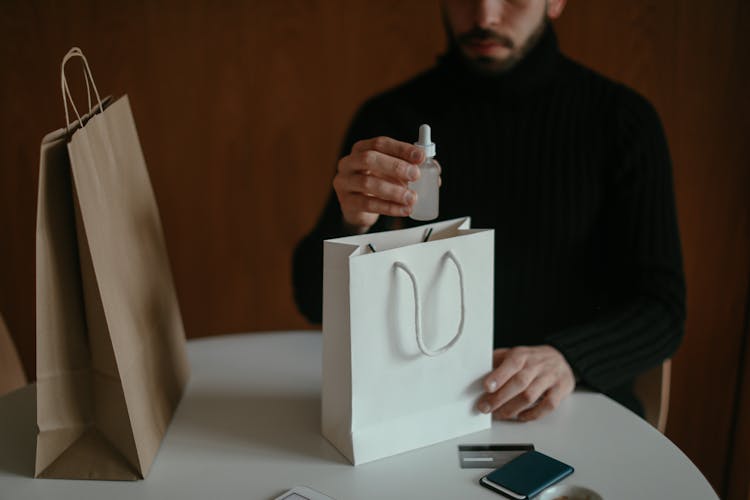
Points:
x=241 y=107
x=689 y=58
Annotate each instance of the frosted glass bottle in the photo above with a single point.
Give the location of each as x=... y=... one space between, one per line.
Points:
x=427 y=186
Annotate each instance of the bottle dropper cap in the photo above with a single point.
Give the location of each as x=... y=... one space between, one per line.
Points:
x=425 y=141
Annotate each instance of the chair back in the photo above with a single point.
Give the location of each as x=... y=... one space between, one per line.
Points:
x=652 y=389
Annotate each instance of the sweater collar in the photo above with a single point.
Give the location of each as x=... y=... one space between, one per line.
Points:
x=534 y=70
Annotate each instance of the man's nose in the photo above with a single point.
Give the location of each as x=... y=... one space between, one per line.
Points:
x=489 y=13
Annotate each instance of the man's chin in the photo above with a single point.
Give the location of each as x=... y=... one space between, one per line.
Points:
x=487 y=65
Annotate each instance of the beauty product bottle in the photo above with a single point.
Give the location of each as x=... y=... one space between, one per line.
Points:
x=427 y=186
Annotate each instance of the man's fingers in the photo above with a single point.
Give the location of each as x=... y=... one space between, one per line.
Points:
x=523 y=375
x=380 y=164
x=391 y=147
x=357 y=202
x=550 y=401
x=514 y=386
x=373 y=180
x=511 y=363
x=544 y=407
x=498 y=355
x=382 y=188
x=526 y=399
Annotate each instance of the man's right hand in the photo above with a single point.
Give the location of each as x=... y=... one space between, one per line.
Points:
x=373 y=180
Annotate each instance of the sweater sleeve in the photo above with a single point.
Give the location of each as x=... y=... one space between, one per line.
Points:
x=307 y=261
x=645 y=324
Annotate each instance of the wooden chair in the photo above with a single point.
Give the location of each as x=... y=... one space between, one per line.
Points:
x=652 y=389
x=12 y=375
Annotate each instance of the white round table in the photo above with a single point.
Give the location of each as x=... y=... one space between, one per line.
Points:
x=249 y=428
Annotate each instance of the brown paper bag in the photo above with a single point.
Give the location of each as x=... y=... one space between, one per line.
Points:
x=111 y=361
x=12 y=375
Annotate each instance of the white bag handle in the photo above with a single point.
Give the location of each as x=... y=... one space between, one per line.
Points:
x=417 y=308
x=76 y=52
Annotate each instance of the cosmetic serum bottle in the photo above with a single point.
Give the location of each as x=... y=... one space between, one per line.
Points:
x=427 y=186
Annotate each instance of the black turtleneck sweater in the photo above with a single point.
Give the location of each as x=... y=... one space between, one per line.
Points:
x=573 y=173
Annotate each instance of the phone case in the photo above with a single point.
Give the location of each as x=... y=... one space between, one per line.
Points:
x=526 y=476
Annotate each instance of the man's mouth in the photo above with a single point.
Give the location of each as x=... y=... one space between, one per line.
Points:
x=484 y=43
x=484 y=47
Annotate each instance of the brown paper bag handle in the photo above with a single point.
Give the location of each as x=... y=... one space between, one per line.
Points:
x=87 y=76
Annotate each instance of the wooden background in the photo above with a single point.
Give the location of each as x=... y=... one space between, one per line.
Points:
x=241 y=107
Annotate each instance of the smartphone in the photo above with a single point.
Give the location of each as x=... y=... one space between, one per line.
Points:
x=526 y=476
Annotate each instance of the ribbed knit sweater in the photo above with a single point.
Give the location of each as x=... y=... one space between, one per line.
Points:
x=573 y=173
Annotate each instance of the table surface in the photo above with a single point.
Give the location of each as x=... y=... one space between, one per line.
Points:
x=248 y=427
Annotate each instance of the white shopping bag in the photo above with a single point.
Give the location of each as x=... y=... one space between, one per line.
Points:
x=407 y=337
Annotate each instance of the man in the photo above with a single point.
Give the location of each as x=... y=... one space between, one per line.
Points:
x=570 y=169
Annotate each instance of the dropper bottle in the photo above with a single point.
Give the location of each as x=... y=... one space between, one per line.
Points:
x=427 y=186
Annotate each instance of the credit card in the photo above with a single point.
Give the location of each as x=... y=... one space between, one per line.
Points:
x=489 y=456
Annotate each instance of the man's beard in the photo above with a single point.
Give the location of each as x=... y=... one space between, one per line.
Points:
x=488 y=65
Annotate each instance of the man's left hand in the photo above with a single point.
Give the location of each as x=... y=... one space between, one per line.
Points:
x=526 y=383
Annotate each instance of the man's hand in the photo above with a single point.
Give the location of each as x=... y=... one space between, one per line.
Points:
x=373 y=180
x=526 y=383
